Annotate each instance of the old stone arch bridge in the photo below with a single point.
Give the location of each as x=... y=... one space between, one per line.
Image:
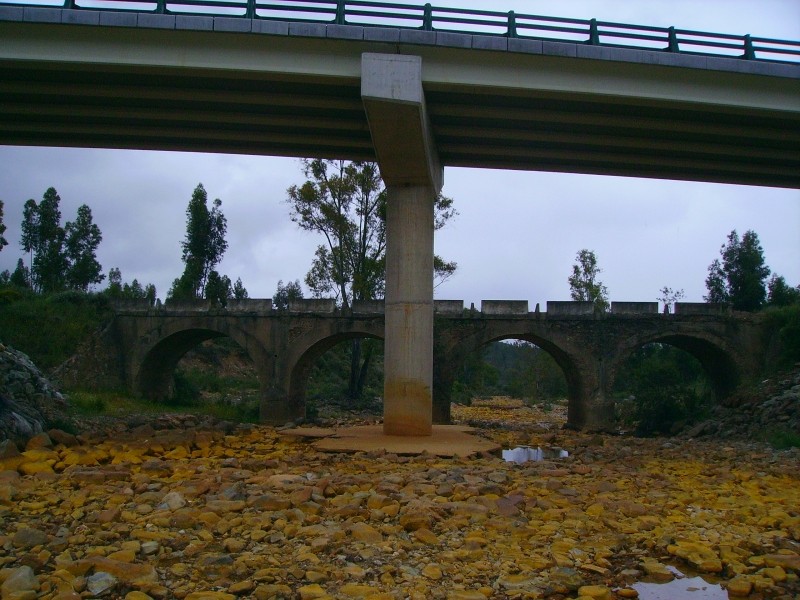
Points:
x=590 y=348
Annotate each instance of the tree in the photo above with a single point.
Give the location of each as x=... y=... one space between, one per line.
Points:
x=134 y=291
x=287 y=293
x=218 y=288
x=669 y=297
x=43 y=237
x=780 y=293
x=346 y=203
x=203 y=246
x=239 y=291
x=82 y=239
x=739 y=278
x=583 y=283
x=3 y=241
x=21 y=276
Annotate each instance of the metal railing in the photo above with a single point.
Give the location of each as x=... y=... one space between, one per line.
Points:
x=470 y=21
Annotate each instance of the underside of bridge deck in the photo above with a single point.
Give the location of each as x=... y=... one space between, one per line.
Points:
x=117 y=87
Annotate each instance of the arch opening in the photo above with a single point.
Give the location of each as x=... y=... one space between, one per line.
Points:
x=202 y=370
x=522 y=371
x=341 y=372
x=665 y=385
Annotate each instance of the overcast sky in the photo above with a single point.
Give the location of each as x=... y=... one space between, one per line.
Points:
x=516 y=235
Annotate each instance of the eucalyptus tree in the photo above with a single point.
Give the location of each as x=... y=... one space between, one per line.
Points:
x=740 y=277
x=203 y=246
x=82 y=238
x=345 y=202
x=584 y=284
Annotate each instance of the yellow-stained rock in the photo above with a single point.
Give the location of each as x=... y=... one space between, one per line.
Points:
x=739 y=586
x=311 y=592
x=597 y=592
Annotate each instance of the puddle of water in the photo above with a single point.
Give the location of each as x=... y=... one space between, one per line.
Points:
x=695 y=588
x=525 y=454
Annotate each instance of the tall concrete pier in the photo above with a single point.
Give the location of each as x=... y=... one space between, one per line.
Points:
x=391 y=88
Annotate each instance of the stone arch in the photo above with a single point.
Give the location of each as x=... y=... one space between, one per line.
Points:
x=578 y=378
x=301 y=368
x=720 y=362
x=154 y=375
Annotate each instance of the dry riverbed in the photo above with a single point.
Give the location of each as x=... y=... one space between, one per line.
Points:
x=206 y=512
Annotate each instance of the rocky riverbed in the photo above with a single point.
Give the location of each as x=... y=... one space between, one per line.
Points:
x=182 y=509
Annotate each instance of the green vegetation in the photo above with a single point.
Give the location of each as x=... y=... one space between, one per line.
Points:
x=660 y=389
x=784 y=326
x=518 y=369
x=50 y=328
x=329 y=379
x=782 y=439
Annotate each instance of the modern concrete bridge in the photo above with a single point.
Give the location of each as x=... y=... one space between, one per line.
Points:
x=414 y=98
x=146 y=344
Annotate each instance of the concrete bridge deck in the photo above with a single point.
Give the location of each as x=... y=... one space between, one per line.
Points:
x=589 y=347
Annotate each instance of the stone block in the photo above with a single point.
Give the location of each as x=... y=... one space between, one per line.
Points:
x=381 y=34
x=448 y=307
x=118 y=19
x=233 y=24
x=12 y=13
x=194 y=22
x=80 y=17
x=154 y=21
x=369 y=307
x=569 y=308
x=504 y=307
x=308 y=29
x=491 y=42
x=257 y=305
x=634 y=308
x=313 y=305
x=187 y=305
x=270 y=27
x=34 y=14
x=701 y=308
x=345 y=32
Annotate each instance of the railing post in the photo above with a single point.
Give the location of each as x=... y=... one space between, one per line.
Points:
x=749 y=51
x=594 y=36
x=70 y=4
x=673 y=41
x=427 y=18
x=250 y=13
x=161 y=6
x=341 y=7
x=512 y=24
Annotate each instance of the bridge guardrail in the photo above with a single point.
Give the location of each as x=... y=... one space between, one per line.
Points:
x=369 y=13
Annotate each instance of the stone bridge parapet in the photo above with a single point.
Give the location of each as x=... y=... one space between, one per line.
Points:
x=590 y=347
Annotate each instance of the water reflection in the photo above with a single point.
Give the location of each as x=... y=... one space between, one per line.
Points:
x=525 y=454
x=695 y=588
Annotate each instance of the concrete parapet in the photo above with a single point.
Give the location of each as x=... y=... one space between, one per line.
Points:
x=504 y=307
x=634 y=308
x=313 y=305
x=258 y=305
x=570 y=307
x=701 y=308
x=448 y=307
x=369 y=307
